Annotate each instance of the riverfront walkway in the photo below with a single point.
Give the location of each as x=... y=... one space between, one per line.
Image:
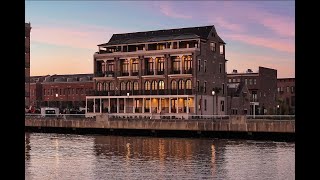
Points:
x=249 y=124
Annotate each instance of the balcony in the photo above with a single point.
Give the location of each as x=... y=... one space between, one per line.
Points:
x=175 y=71
x=126 y=73
x=160 y=72
x=135 y=73
x=187 y=71
x=110 y=73
x=147 y=72
x=98 y=74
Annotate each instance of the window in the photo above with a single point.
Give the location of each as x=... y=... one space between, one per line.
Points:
x=220 y=68
x=150 y=65
x=60 y=90
x=254 y=81
x=205 y=104
x=222 y=106
x=205 y=66
x=204 y=87
x=238 y=80
x=223 y=88
x=99 y=86
x=103 y=67
x=188 y=64
x=135 y=65
x=110 y=66
x=292 y=89
x=106 y=88
x=160 y=64
x=230 y=80
x=188 y=84
x=199 y=65
x=181 y=84
x=250 y=81
x=154 y=85
x=111 y=86
x=173 y=84
x=293 y=102
x=278 y=89
x=161 y=84
x=135 y=86
x=288 y=90
x=176 y=64
x=147 y=85
x=122 y=86
x=221 y=49
x=198 y=86
x=125 y=66
x=129 y=85
x=246 y=81
x=213 y=46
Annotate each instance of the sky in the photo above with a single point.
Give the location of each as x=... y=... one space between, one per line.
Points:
x=65 y=34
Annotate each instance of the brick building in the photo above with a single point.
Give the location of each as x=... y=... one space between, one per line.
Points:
x=262 y=86
x=27 y=63
x=63 y=91
x=286 y=96
x=172 y=72
x=238 y=101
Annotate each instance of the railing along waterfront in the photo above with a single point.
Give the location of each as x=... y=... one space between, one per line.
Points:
x=151 y=116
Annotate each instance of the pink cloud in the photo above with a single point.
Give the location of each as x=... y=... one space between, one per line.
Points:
x=78 y=37
x=275 y=44
x=166 y=9
x=227 y=25
x=285 y=66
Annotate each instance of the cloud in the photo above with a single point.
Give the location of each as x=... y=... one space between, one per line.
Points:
x=275 y=44
x=77 y=36
x=166 y=9
x=227 y=25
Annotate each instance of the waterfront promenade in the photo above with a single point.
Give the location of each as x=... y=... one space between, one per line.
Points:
x=247 y=124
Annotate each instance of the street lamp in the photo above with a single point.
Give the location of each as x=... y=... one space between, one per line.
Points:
x=278 y=106
x=57 y=99
x=213 y=93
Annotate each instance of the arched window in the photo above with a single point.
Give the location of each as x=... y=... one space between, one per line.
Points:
x=154 y=85
x=129 y=85
x=123 y=86
x=135 y=86
x=111 y=86
x=173 y=84
x=105 y=86
x=181 y=84
x=188 y=84
x=99 y=86
x=147 y=85
x=161 y=84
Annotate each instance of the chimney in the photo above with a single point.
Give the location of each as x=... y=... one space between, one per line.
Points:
x=249 y=71
x=234 y=71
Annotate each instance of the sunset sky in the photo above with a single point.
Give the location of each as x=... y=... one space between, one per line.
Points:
x=65 y=35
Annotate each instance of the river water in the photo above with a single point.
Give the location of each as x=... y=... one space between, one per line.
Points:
x=88 y=157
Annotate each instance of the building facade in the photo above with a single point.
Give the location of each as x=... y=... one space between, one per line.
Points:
x=27 y=64
x=262 y=86
x=238 y=100
x=168 y=72
x=63 y=91
x=286 y=96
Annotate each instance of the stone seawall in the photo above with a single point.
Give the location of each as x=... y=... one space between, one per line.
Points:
x=232 y=124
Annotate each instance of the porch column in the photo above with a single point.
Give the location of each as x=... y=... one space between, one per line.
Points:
x=143 y=99
x=134 y=105
x=180 y=57
x=177 y=105
x=177 y=44
x=254 y=110
x=105 y=67
x=160 y=109
x=187 y=105
x=117 y=105
x=125 y=105
x=169 y=105
x=109 y=106
x=129 y=68
x=94 y=105
x=154 y=66
x=86 y=105
x=150 y=105
x=100 y=105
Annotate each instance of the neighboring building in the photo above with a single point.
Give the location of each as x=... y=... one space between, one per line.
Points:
x=286 y=96
x=63 y=91
x=238 y=102
x=172 y=72
x=27 y=63
x=262 y=86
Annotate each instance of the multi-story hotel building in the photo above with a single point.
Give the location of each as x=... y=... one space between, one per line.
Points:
x=262 y=86
x=27 y=63
x=286 y=96
x=63 y=91
x=172 y=72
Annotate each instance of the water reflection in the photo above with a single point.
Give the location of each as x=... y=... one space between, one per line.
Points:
x=119 y=157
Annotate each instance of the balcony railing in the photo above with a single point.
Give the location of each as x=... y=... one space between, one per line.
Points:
x=187 y=71
x=141 y=92
x=174 y=71
x=98 y=74
x=147 y=72
x=124 y=73
x=110 y=73
x=135 y=73
x=160 y=72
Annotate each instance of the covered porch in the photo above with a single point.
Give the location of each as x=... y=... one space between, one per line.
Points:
x=175 y=105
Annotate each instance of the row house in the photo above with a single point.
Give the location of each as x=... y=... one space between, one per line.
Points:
x=168 y=72
x=286 y=96
x=27 y=63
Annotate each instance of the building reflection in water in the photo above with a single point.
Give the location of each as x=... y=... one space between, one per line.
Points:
x=27 y=146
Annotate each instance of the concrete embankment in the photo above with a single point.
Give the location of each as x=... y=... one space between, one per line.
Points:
x=233 y=126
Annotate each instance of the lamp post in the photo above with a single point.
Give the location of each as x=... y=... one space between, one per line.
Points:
x=278 y=108
x=213 y=93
